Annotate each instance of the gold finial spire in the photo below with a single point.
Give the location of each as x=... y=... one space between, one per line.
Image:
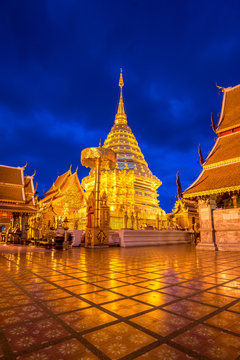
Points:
x=121 y=117
x=121 y=83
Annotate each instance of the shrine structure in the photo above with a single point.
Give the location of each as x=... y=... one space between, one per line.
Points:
x=17 y=203
x=64 y=200
x=130 y=187
x=217 y=189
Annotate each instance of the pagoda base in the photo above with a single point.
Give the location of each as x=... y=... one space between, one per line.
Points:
x=130 y=238
x=206 y=246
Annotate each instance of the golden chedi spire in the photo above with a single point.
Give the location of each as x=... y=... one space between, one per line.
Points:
x=121 y=117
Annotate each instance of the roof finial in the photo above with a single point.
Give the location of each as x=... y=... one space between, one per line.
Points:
x=121 y=117
x=200 y=155
x=220 y=87
x=179 y=187
x=121 y=83
x=100 y=144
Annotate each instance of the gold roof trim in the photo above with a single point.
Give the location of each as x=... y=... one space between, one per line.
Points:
x=210 y=192
x=219 y=163
x=227 y=128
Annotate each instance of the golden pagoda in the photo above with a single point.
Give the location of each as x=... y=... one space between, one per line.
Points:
x=131 y=187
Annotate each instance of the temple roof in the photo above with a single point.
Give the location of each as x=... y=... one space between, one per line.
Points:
x=17 y=208
x=28 y=185
x=59 y=182
x=215 y=180
x=11 y=175
x=62 y=184
x=230 y=113
x=15 y=188
x=225 y=150
x=12 y=193
x=221 y=169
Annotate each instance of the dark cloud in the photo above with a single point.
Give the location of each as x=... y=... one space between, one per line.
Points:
x=59 y=69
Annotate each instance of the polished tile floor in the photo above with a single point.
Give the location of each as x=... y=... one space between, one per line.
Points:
x=173 y=302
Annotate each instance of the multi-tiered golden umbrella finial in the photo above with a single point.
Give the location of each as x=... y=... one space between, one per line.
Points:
x=98 y=158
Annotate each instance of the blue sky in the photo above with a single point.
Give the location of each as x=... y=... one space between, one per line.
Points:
x=59 y=71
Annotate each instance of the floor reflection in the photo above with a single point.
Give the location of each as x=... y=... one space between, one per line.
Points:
x=171 y=302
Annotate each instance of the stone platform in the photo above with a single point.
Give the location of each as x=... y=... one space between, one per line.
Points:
x=129 y=238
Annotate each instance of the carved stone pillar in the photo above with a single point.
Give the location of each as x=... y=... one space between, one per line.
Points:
x=234 y=199
x=207 y=232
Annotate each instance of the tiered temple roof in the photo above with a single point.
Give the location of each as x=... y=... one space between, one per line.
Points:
x=59 y=187
x=16 y=190
x=221 y=168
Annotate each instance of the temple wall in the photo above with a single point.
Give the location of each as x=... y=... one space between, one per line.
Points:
x=219 y=228
x=227 y=228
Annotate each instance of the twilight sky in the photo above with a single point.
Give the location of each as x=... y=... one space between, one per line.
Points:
x=59 y=71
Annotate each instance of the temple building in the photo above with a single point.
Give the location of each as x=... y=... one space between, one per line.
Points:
x=64 y=200
x=217 y=189
x=131 y=187
x=185 y=214
x=17 y=203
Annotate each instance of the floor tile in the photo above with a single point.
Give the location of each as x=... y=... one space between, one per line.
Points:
x=86 y=319
x=212 y=299
x=6 y=302
x=190 y=309
x=126 y=307
x=129 y=290
x=83 y=289
x=66 y=350
x=209 y=342
x=101 y=297
x=119 y=340
x=66 y=304
x=225 y=290
x=21 y=314
x=24 y=336
x=161 y=322
x=179 y=291
x=235 y=307
x=67 y=283
x=109 y=284
x=164 y=352
x=50 y=295
x=227 y=320
x=153 y=284
x=155 y=298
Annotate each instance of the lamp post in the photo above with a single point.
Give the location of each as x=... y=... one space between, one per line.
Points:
x=65 y=227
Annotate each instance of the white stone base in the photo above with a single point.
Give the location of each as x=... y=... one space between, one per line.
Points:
x=129 y=238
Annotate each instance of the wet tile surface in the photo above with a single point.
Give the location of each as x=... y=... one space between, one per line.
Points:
x=145 y=303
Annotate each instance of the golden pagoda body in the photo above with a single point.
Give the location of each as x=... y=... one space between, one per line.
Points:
x=131 y=187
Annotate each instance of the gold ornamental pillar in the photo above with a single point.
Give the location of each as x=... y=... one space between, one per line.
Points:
x=97 y=193
x=98 y=158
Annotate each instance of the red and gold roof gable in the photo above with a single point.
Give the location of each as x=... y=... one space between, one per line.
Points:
x=230 y=112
